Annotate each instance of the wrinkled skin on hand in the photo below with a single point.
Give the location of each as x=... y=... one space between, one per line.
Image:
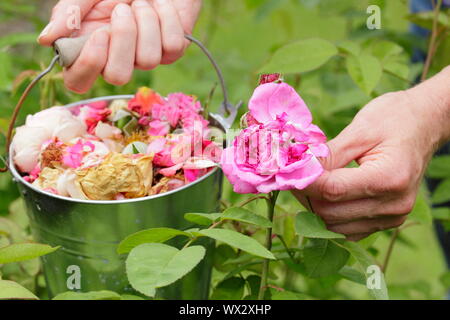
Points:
x=392 y=140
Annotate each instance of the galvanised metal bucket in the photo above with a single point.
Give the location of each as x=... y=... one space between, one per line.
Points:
x=89 y=231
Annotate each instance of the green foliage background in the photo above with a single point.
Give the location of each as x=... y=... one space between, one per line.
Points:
x=243 y=36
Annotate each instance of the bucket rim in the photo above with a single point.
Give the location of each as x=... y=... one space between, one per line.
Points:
x=18 y=178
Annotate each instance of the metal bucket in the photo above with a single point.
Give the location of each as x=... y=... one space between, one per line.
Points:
x=89 y=231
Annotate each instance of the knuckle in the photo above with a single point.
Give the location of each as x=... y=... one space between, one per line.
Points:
x=332 y=190
x=174 y=45
x=88 y=62
x=116 y=78
x=399 y=183
x=406 y=205
x=75 y=86
x=148 y=63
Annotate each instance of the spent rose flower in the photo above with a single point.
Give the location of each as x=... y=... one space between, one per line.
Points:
x=91 y=116
x=57 y=122
x=279 y=150
x=144 y=100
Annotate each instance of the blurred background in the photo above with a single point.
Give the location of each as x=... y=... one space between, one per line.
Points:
x=243 y=35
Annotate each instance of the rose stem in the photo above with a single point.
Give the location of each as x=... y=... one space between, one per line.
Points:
x=265 y=269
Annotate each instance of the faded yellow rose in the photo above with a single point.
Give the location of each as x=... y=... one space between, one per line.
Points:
x=118 y=173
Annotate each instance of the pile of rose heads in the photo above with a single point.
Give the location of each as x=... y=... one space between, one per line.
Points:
x=150 y=145
x=116 y=150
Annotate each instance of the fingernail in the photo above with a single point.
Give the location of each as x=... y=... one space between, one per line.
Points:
x=46 y=30
x=140 y=3
x=122 y=10
x=101 y=38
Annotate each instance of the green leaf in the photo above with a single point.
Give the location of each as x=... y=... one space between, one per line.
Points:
x=365 y=260
x=439 y=167
x=365 y=70
x=300 y=56
x=204 y=219
x=323 y=258
x=238 y=240
x=229 y=289
x=93 y=295
x=244 y=215
x=149 y=236
x=445 y=279
x=421 y=212
x=442 y=192
x=353 y=275
x=223 y=253
x=131 y=297
x=425 y=19
x=309 y=225
x=351 y=47
x=384 y=50
x=154 y=265
x=18 y=38
x=398 y=69
x=13 y=290
x=442 y=213
x=24 y=251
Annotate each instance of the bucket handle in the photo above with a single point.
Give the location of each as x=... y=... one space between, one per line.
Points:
x=67 y=51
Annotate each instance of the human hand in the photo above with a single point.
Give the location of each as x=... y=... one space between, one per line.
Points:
x=392 y=139
x=125 y=34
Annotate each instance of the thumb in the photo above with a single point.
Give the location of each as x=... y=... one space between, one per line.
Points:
x=338 y=183
x=348 y=145
x=66 y=18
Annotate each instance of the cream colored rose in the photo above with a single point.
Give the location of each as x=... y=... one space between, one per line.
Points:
x=56 y=122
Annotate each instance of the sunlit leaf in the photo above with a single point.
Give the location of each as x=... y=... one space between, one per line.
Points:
x=154 y=265
x=93 y=295
x=149 y=236
x=238 y=240
x=24 y=251
x=300 y=56
x=244 y=215
x=365 y=70
x=11 y=290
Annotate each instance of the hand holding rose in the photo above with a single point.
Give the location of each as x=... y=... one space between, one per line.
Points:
x=392 y=139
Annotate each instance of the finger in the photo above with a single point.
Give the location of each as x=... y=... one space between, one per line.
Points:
x=66 y=18
x=368 y=225
x=149 y=49
x=377 y=177
x=122 y=51
x=82 y=74
x=172 y=33
x=188 y=11
x=346 y=211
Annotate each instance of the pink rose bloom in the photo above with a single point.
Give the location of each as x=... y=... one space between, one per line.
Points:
x=73 y=155
x=158 y=128
x=280 y=151
x=91 y=116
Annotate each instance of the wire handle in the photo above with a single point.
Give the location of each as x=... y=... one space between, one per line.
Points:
x=67 y=50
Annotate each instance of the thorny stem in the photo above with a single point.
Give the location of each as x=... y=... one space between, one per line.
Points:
x=432 y=46
x=265 y=270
